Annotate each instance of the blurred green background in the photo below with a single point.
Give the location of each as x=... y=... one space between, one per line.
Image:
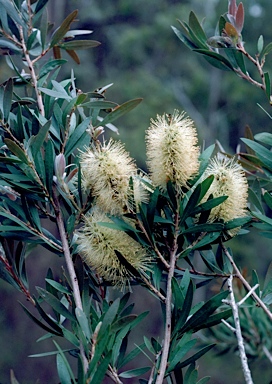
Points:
x=142 y=57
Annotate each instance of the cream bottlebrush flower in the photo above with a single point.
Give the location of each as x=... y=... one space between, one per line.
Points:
x=172 y=151
x=106 y=172
x=229 y=180
x=141 y=192
x=97 y=245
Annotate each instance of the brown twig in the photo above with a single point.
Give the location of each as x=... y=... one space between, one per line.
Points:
x=245 y=283
x=14 y=276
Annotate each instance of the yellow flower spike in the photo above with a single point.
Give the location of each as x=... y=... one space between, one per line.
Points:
x=172 y=151
x=97 y=245
x=229 y=180
x=106 y=171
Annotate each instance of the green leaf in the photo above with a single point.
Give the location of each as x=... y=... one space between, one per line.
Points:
x=55 y=94
x=204 y=380
x=215 y=319
x=191 y=375
x=83 y=322
x=50 y=65
x=268 y=199
x=79 y=44
x=195 y=357
x=39 y=323
x=43 y=27
x=216 y=59
x=13 y=11
x=180 y=351
x=63 y=29
x=134 y=372
x=264 y=137
x=16 y=150
x=47 y=318
x=120 y=111
x=131 y=355
x=267 y=85
x=208 y=205
x=184 y=38
x=59 y=287
x=38 y=140
x=55 y=303
x=40 y=5
x=51 y=353
x=207 y=227
x=101 y=369
x=76 y=136
x=184 y=311
x=204 y=158
x=202 y=315
x=110 y=315
x=49 y=165
x=238 y=222
x=196 y=27
x=263 y=153
x=262 y=217
x=63 y=369
x=99 y=104
x=7 y=100
x=267 y=49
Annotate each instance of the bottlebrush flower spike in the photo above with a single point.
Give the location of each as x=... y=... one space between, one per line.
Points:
x=106 y=171
x=172 y=151
x=98 y=245
x=229 y=180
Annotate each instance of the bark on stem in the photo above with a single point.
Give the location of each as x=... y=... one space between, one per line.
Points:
x=70 y=267
x=238 y=333
x=245 y=283
x=168 y=309
x=32 y=73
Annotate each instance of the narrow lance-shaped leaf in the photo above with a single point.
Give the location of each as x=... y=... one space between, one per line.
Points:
x=202 y=315
x=50 y=65
x=12 y=11
x=63 y=29
x=216 y=59
x=79 y=44
x=195 y=357
x=40 y=5
x=38 y=140
x=196 y=27
x=120 y=111
x=7 y=99
x=55 y=303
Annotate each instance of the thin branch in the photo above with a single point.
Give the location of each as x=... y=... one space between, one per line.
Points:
x=153 y=289
x=245 y=283
x=206 y=274
x=14 y=276
x=257 y=63
x=166 y=264
x=267 y=353
x=70 y=267
x=168 y=303
x=248 y=294
x=32 y=73
x=238 y=333
x=226 y=323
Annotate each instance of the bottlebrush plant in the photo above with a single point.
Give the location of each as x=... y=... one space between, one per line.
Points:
x=117 y=226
